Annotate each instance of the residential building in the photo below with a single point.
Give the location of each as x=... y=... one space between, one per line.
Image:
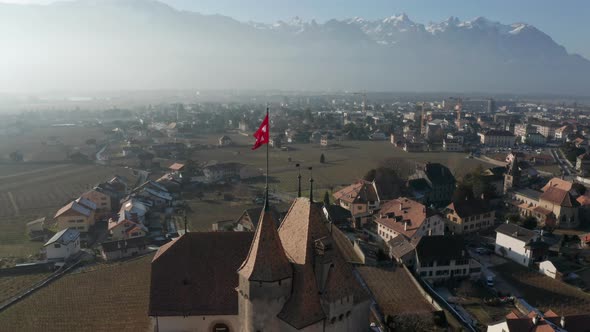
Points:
x=440 y=258
x=126 y=229
x=224 y=141
x=432 y=184
x=337 y=215
x=452 y=145
x=249 y=219
x=414 y=147
x=546 y=129
x=36 y=227
x=221 y=172
x=534 y=139
x=113 y=250
x=519 y=244
x=361 y=199
x=512 y=177
x=583 y=164
x=521 y=130
x=75 y=215
x=290 y=279
x=134 y=209
x=402 y=251
x=378 y=135
x=468 y=216
x=101 y=200
x=561 y=133
x=62 y=245
x=408 y=218
x=536 y=321
x=497 y=138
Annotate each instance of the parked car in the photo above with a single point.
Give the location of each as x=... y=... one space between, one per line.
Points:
x=482 y=251
x=490 y=281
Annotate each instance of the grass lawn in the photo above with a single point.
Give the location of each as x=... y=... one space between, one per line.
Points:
x=113 y=297
x=543 y=292
x=12 y=285
x=344 y=164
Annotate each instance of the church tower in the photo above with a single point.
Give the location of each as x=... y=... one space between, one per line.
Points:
x=512 y=176
x=265 y=279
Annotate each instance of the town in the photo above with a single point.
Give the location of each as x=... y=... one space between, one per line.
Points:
x=381 y=212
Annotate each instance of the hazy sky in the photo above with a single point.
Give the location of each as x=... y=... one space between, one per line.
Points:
x=564 y=20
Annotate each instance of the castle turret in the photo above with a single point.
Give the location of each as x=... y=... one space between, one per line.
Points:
x=265 y=279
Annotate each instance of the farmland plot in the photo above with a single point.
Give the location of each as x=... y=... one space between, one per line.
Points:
x=112 y=297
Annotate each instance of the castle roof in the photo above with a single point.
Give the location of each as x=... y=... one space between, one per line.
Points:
x=266 y=260
x=195 y=275
x=302 y=229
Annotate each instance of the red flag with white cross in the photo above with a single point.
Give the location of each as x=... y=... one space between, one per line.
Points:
x=262 y=134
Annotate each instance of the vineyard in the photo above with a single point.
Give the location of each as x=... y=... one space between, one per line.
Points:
x=109 y=297
x=12 y=285
x=544 y=292
x=40 y=192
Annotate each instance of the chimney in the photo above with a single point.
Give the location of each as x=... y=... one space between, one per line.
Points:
x=401 y=206
x=535 y=320
x=562 y=322
x=405 y=225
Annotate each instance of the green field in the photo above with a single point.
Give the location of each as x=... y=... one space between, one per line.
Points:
x=110 y=297
x=344 y=163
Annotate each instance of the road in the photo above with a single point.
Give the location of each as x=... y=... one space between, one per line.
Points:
x=487 y=263
x=563 y=165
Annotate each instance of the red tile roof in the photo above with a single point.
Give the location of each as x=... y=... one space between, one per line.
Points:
x=558 y=183
x=176 y=166
x=303 y=225
x=396 y=213
x=196 y=274
x=359 y=192
x=560 y=197
x=266 y=260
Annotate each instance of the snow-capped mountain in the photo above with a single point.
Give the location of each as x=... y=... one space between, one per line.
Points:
x=137 y=44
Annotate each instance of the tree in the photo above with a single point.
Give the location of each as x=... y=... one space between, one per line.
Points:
x=322 y=159
x=326 y=198
x=389 y=183
x=514 y=218
x=529 y=223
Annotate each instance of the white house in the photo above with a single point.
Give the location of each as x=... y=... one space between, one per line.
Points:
x=63 y=245
x=519 y=244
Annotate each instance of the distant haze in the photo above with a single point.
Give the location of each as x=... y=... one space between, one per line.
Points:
x=139 y=45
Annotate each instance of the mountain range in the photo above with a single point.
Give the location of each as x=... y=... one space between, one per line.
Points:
x=145 y=44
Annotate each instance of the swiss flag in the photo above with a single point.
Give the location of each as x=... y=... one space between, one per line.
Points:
x=261 y=134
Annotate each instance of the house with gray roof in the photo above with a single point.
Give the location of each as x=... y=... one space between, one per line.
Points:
x=62 y=245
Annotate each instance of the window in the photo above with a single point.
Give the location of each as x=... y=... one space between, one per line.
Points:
x=220 y=328
x=57 y=245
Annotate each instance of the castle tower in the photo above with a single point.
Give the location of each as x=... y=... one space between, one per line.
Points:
x=265 y=279
x=512 y=176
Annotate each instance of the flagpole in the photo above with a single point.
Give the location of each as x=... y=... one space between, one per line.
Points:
x=266 y=208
